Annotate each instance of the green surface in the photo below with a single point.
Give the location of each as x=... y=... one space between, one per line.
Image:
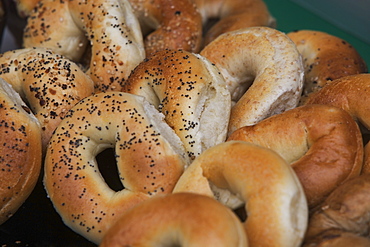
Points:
x=291 y=16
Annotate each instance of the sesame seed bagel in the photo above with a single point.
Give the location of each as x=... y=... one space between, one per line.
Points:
x=190 y=92
x=110 y=25
x=150 y=158
x=20 y=151
x=326 y=58
x=180 y=219
x=169 y=24
x=274 y=200
x=49 y=83
x=263 y=71
x=350 y=93
x=322 y=143
x=231 y=15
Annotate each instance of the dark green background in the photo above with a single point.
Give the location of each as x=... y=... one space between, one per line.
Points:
x=291 y=16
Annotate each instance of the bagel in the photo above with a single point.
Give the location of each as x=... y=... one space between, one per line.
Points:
x=25 y=7
x=150 y=159
x=231 y=15
x=274 y=200
x=190 y=92
x=20 y=151
x=322 y=143
x=181 y=219
x=49 y=83
x=263 y=71
x=169 y=24
x=346 y=213
x=349 y=93
x=366 y=165
x=326 y=58
x=110 y=25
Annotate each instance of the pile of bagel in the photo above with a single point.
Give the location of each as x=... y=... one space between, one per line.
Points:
x=225 y=130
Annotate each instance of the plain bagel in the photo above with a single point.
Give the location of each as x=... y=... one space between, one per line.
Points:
x=263 y=71
x=20 y=152
x=343 y=218
x=150 y=159
x=274 y=200
x=322 y=143
x=180 y=219
x=350 y=93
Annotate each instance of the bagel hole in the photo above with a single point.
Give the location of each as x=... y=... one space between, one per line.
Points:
x=107 y=165
x=241 y=213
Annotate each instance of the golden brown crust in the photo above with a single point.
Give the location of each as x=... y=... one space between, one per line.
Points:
x=49 y=83
x=349 y=93
x=109 y=25
x=180 y=219
x=20 y=151
x=326 y=58
x=344 y=211
x=190 y=92
x=260 y=178
x=322 y=143
x=149 y=162
x=263 y=71
x=232 y=15
x=171 y=24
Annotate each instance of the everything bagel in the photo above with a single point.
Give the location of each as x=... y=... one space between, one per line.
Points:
x=150 y=159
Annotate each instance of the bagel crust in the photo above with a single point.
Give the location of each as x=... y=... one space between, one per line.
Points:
x=343 y=218
x=274 y=199
x=149 y=156
x=169 y=24
x=322 y=143
x=50 y=84
x=326 y=58
x=350 y=93
x=110 y=26
x=20 y=151
x=190 y=92
x=233 y=15
x=180 y=219
x=263 y=71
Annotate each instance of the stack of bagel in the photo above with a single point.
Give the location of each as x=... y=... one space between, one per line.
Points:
x=225 y=131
